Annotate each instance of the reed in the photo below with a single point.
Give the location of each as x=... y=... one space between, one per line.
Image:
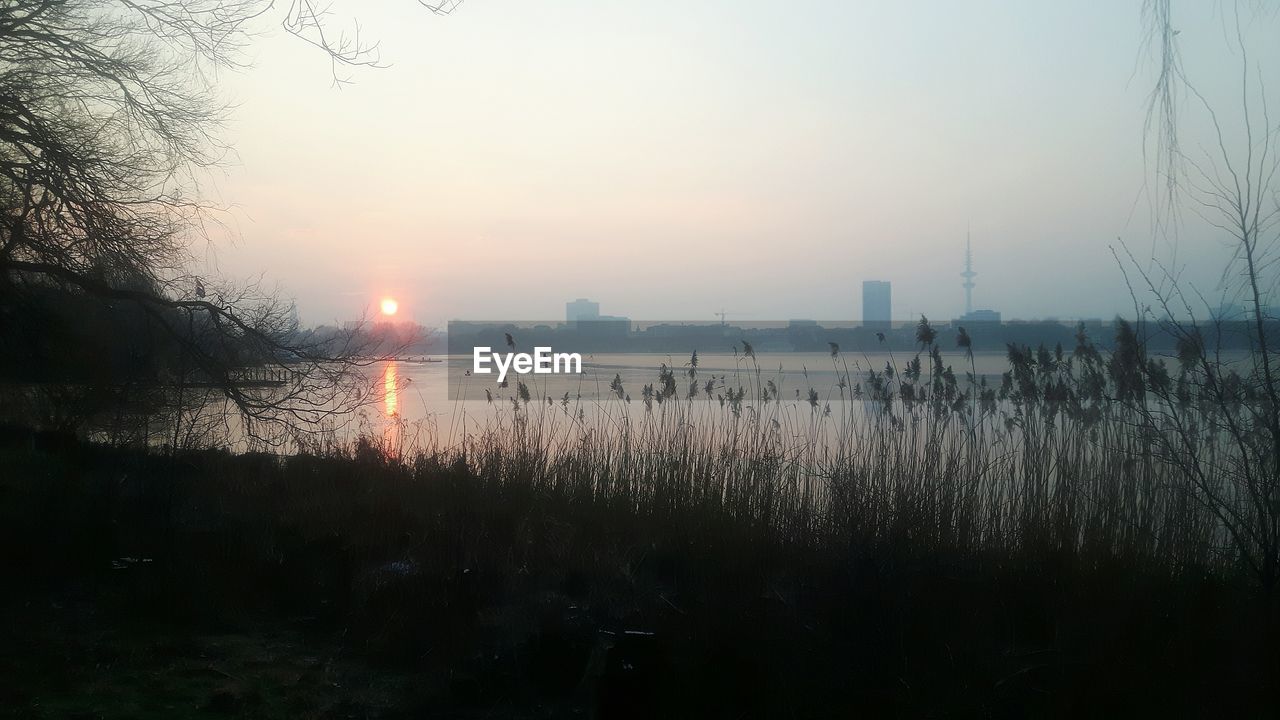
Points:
x=1076 y=451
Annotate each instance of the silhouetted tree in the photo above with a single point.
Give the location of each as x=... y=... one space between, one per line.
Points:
x=107 y=117
x=1233 y=188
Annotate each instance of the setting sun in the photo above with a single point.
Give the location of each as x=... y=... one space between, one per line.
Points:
x=389 y=306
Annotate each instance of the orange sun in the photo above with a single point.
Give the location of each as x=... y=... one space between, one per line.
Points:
x=389 y=306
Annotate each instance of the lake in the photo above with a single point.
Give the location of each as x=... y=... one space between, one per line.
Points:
x=444 y=395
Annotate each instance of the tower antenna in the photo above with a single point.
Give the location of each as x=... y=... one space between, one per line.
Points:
x=968 y=273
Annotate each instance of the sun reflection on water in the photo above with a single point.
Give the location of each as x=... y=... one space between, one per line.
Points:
x=391 y=401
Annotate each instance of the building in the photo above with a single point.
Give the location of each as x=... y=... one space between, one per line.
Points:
x=604 y=326
x=980 y=316
x=877 y=305
x=581 y=309
x=584 y=315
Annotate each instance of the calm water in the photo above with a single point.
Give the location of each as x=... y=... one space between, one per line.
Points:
x=439 y=392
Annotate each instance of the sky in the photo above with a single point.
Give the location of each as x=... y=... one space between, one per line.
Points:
x=670 y=160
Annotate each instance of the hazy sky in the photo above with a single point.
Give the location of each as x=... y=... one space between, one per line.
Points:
x=671 y=159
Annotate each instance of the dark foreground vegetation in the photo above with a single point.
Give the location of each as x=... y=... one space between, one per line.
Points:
x=356 y=585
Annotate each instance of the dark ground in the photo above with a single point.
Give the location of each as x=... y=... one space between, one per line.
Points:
x=211 y=585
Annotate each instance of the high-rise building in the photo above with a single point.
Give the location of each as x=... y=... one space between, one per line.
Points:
x=581 y=309
x=877 y=306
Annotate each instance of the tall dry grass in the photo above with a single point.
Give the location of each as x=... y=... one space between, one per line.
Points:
x=1074 y=450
